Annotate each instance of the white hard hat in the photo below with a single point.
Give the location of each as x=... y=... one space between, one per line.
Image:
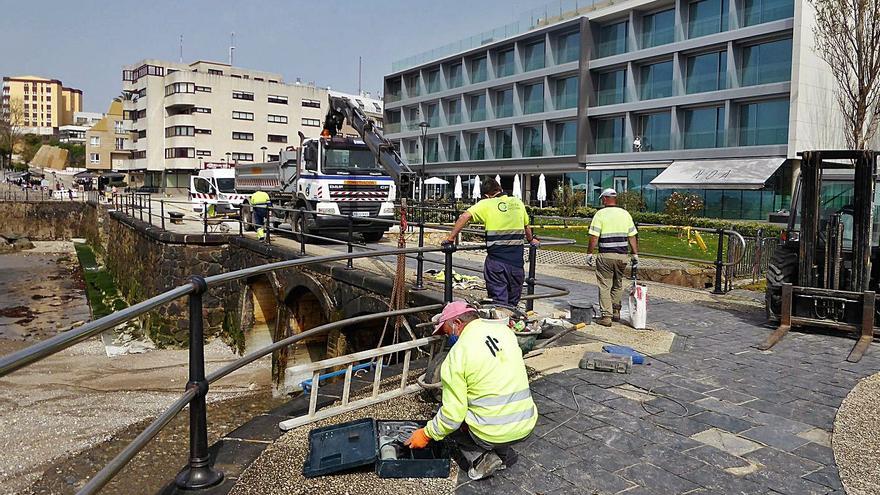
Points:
x=611 y=193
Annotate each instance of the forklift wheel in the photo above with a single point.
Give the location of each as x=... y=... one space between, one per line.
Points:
x=783 y=269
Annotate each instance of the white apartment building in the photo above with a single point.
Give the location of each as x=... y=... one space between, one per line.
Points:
x=185 y=117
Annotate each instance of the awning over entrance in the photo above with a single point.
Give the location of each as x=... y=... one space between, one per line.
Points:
x=749 y=173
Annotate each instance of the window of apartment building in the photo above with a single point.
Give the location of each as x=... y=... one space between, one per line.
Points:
x=259 y=79
x=142 y=134
x=205 y=110
x=706 y=17
x=377 y=107
x=433 y=80
x=139 y=154
x=706 y=72
x=612 y=39
x=432 y=154
x=118 y=126
x=306 y=102
x=120 y=144
x=533 y=98
x=203 y=152
x=235 y=76
x=477 y=107
x=760 y=11
x=180 y=130
x=215 y=72
x=310 y=122
x=454 y=76
x=504 y=63
x=658 y=28
x=277 y=138
x=392 y=121
x=453 y=111
x=273 y=158
x=566 y=92
x=412 y=119
x=248 y=116
x=704 y=127
x=478 y=69
x=568 y=47
x=242 y=95
x=533 y=56
x=203 y=89
x=611 y=87
x=95 y=141
x=532 y=141
x=180 y=152
x=203 y=131
x=432 y=114
x=272 y=81
x=393 y=91
x=766 y=63
x=94 y=158
x=763 y=122
x=504 y=103
x=48 y=98
x=610 y=135
x=359 y=102
x=281 y=100
x=656 y=80
x=412 y=84
x=476 y=142
x=565 y=138
x=453 y=149
x=242 y=157
x=242 y=136
x=503 y=143
x=181 y=87
x=654 y=130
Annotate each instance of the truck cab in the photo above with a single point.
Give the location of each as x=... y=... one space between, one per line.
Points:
x=214 y=187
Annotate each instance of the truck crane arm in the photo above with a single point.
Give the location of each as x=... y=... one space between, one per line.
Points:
x=342 y=108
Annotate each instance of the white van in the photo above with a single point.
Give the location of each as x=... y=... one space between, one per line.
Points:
x=214 y=187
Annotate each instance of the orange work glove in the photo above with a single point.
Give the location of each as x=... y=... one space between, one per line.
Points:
x=418 y=440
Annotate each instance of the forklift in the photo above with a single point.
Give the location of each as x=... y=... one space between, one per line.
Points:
x=824 y=273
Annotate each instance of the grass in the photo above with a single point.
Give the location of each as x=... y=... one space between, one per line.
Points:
x=101 y=290
x=660 y=242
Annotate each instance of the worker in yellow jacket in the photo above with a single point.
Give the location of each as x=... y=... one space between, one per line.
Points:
x=487 y=405
x=260 y=203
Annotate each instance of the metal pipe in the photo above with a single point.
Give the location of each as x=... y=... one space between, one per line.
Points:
x=205 y=218
x=420 y=257
x=448 y=249
x=162 y=212
x=530 y=280
x=267 y=224
x=719 y=264
x=150 y=210
x=301 y=224
x=349 y=264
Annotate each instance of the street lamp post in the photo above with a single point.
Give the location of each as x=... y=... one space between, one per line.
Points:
x=228 y=159
x=423 y=126
x=263 y=148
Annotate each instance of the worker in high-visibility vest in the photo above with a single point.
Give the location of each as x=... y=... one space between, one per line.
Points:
x=487 y=405
x=260 y=203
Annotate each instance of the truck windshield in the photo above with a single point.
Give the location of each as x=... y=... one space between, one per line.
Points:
x=226 y=185
x=349 y=161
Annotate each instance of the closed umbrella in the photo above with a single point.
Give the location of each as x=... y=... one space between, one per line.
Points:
x=498 y=179
x=475 y=193
x=517 y=190
x=542 y=190
x=458 y=193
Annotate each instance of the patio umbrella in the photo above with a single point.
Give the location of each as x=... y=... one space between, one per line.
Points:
x=458 y=193
x=517 y=190
x=436 y=181
x=475 y=193
x=498 y=179
x=542 y=190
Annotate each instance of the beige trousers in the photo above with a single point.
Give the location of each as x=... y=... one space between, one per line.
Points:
x=610 y=269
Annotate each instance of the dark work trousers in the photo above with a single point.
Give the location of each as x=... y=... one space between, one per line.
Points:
x=260 y=212
x=503 y=281
x=470 y=448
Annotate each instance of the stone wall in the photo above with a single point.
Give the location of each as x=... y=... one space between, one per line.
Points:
x=45 y=221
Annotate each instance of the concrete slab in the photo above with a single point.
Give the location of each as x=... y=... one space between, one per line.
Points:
x=726 y=441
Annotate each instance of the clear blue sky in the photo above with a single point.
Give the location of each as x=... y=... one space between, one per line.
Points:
x=85 y=43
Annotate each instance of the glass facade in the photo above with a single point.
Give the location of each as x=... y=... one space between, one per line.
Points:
x=476 y=146
x=533 y=141
x=609 y=135
x=533 y=98
x=432 y=154
x=761 y=11
x=706 y=17
x=434 y=81
x=533 y=56
x=568 y=47
x=611 y=87
x=503 y=143
x=565 y=138
x=504 y=103
x=412 y=85
x=454 y=76
x=658 y=28
x=479 y=70
x=654 y=130
x=478 y=107
x=704 y=127
x=453 y=149
x=505 y=64
x=763 y=122
x=453 y=112
x=432 y=115
x=566 y=93
x=612 y=39
x=766 y=63
x=656 y=80
x=706 y=72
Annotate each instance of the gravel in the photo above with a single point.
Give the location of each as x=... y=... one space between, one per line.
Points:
x=856 y=438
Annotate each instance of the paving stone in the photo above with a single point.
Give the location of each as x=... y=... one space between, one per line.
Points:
x=783 y=462
x=589 y=479
x=722 y=482
x=598 y=454
x=547 y=454
x=679 y=393
x=620 y=420
x=564 y=437
x=682 y=426
x=726 y=441
x=716 y=458
x=596 y=393
x=817 y=436
x=817 y=453
x=657 y=479
x=773 y=437
x=732 y=396
x=617 y=439
x=489 y=486
x=261 y=428
x=671 y=460
x=532 y=478
x=628 y=406
x=827 y=476
x=722 y=421
x=785 y=483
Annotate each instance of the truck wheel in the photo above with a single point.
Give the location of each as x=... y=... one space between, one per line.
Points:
x=373 y=236
x=783 y=269
x=298 y=225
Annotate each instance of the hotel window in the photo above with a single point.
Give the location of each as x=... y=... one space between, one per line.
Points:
x=309 y=122
x=453 y=112
x=658 y=28
x=504 y=65
x=306 y=102
x=95 y=141
x=120 y=144
x=654 y=131
x=276 y=138
x=248 y=116
x=612 y=39
x=706 y=72
x=243 y=136
x=203 y=89
x=478 y=70
x=706 y=17
x=611 y=87
x=477 y=107
x=242 y=95
x=609 y=135
x=454 y=75
x=704 y=127
x=533 y=56
x=761 y=11
x=476 y=145
x=533 y=141
x=766 y=63
x=533 y=98
x=175 y=88
x=434 y=81
x=503 y=143
x=565 y=138
x=118 y=127
x=412 y=84
x=453 y=149
x=432 y=150
x=568 y=47
x=242 y=157
x=433 y=114
x=566 y=93
x=94 y=158
x=180 y=152
x=763 y=122
x=656 y=80
x=504 y=103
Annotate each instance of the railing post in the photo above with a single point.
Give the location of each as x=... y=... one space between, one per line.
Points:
x=420 y=257
x=302 y=235
x=205 y=218
x=718 y=263
x=349 y=265
x=266 y=224
x=448 y=249
x=530 y=281
x=162 y=212
x=241 y=220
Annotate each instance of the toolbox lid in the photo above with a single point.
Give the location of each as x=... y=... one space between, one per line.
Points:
x=637 y=357
x=339 y=447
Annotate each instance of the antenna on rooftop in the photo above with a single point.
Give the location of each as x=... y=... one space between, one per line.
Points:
x=359 y=74
x=181 y=49
x=232 y=48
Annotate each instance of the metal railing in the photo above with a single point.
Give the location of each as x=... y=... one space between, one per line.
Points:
x=200 y=472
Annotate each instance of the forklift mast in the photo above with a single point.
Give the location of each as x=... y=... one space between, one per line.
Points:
x=342 y=108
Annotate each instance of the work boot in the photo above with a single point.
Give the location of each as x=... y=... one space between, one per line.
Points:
x=485 y=466
x=615 y=316
x=605 y=321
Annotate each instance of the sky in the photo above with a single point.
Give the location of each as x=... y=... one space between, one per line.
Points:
x=85 y=43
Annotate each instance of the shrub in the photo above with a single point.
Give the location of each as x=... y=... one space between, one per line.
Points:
x=631 y=201
x=682 y=207
x=568 y=200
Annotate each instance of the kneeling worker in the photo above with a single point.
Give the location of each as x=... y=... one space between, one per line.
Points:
x=487 y=405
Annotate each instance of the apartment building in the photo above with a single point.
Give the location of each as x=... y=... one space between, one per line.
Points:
x=46 y=104
x=108 y=142
x=185 y=117
x=372 y=108
x=712 y=96
x=76 y=132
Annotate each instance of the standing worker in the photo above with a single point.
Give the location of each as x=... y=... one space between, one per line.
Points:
x=487 y=405
x=260 y=204
x=613 y=230
x=506 y=224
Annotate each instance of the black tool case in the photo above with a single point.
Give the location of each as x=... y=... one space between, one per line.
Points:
x=356 y=443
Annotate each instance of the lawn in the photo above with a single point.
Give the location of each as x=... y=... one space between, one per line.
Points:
x=660 y=242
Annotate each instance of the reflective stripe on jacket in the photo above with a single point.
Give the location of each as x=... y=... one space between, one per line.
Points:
x=505 y=219
x=613 y=226
x=485 y=385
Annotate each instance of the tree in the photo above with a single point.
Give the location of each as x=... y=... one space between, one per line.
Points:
x=848 y=38
x=11 y=130
x=568 y=200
